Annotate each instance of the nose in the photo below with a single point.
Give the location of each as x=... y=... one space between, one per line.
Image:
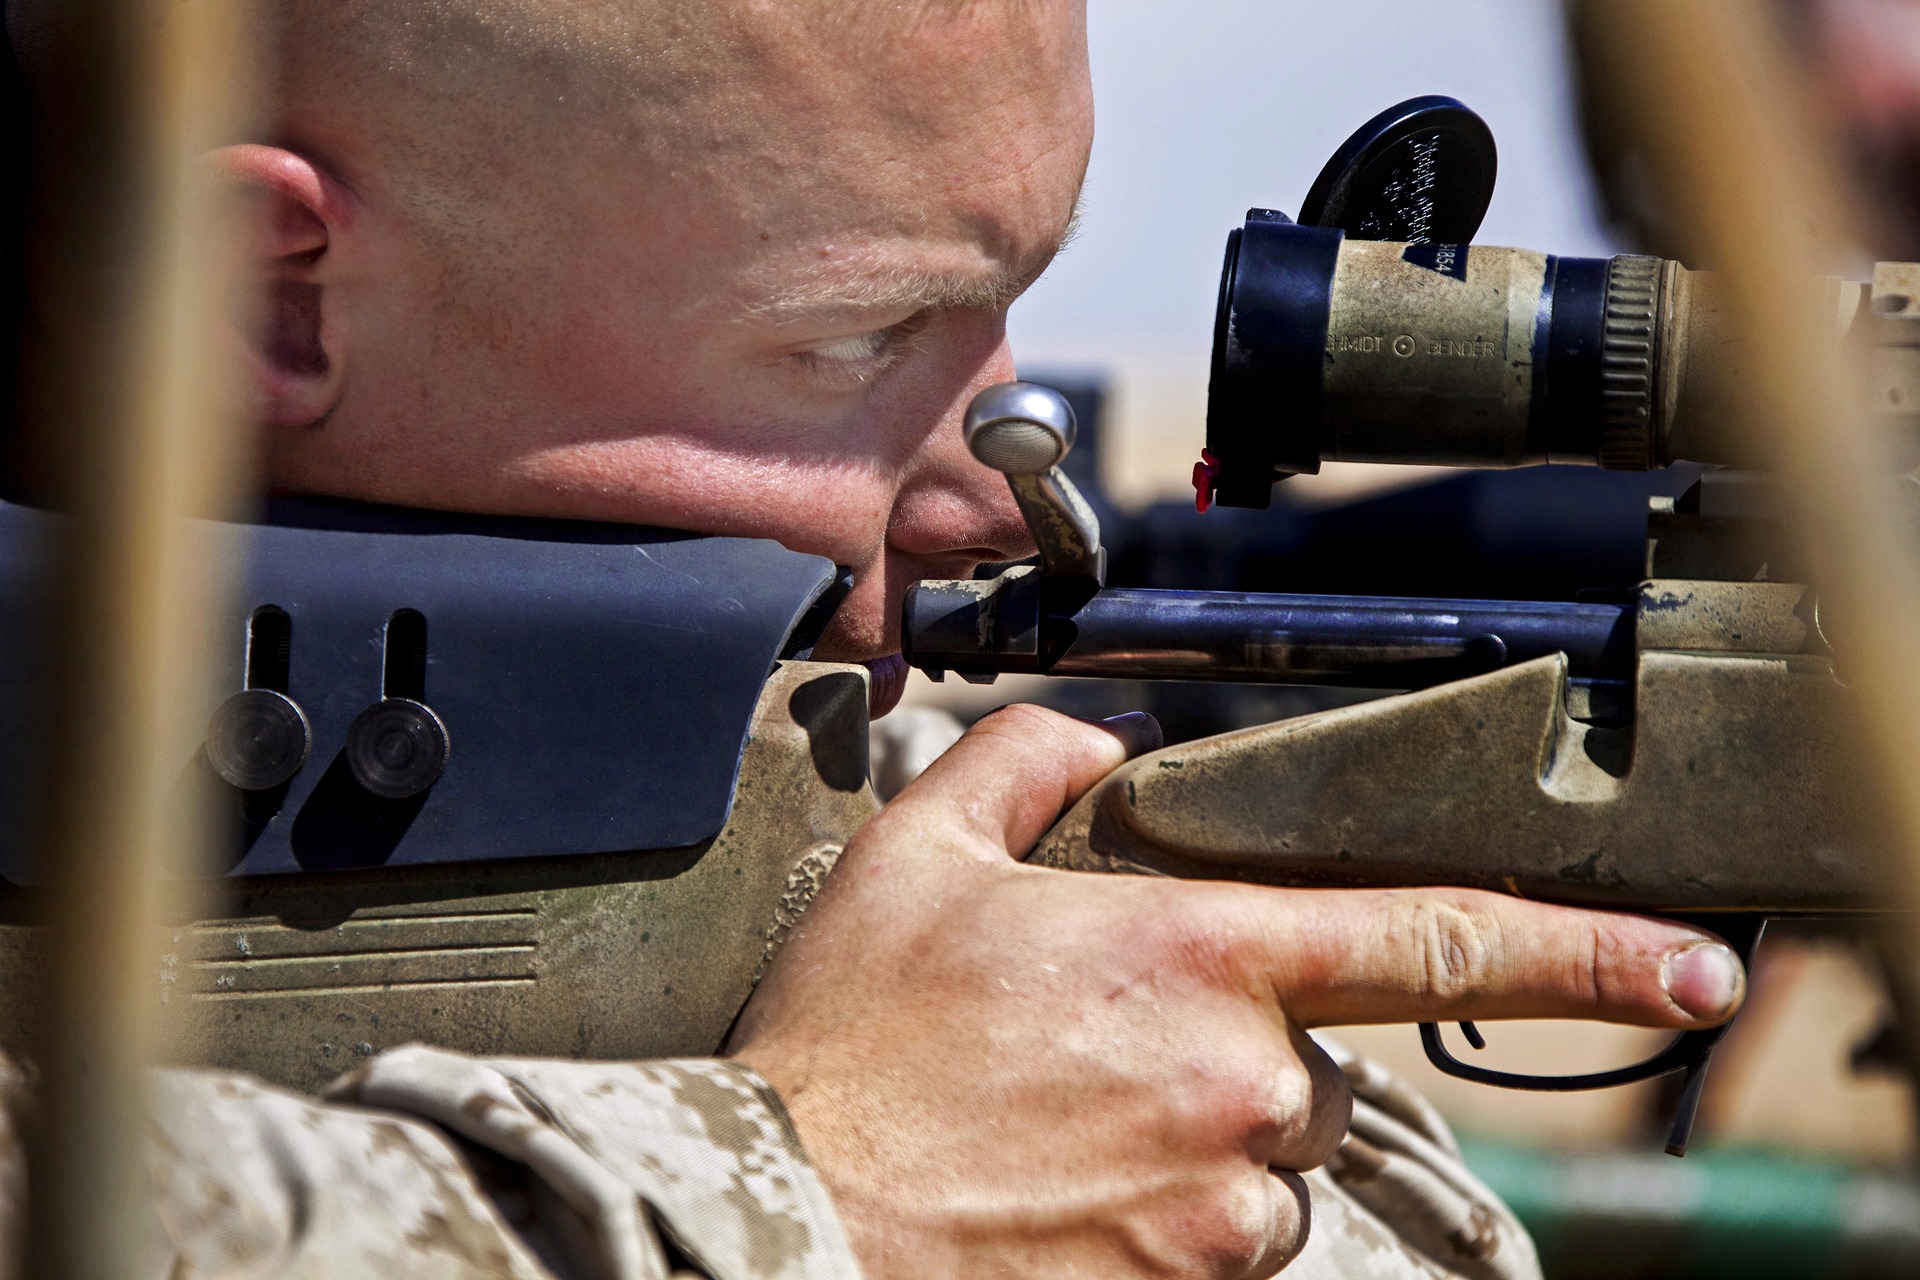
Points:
x=951 y=505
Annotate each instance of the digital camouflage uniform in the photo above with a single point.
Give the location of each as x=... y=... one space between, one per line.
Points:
x=437 y=1166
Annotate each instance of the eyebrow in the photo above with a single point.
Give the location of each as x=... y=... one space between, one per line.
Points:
x=908 y=289
x=903 y=289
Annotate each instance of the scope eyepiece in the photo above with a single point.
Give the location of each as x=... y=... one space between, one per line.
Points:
x=1265 y=391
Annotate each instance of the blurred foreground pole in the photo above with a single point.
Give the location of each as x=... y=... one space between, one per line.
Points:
x=128 y=403
x=1704 y=92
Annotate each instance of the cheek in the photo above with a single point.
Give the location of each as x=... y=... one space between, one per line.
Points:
x=840 y=512
x=836 y=508
x=833 y=506
x=865 y=625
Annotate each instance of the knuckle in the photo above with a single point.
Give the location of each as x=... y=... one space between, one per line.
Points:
x=1236 y=1229
x=1040 y=737
x=1295 y=1110
x=1262 y=1101
x=1454 y=948
x=1293 y=1220
x=1024 y=721
x=1325 y=1118
x=1609 y=967
x=1288 y=1112
x=1199 y=943
x=1586 y=976
x=1247 y=1223
x=1259 y=1225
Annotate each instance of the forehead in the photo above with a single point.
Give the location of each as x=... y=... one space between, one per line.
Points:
x=925 y=71
x=835 y=133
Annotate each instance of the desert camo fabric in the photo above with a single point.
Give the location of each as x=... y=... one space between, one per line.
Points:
x=435 y=1165
x=1398 y=1201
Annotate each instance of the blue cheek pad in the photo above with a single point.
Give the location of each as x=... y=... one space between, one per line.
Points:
x=596 y=682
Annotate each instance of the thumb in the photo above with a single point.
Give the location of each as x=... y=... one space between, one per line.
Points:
x=997 y=790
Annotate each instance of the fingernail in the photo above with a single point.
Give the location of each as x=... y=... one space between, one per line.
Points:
x=1703 y=979
x=1140 y=731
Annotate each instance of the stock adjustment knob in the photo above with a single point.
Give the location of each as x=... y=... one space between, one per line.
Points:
x=258 y=739
x=397 y=748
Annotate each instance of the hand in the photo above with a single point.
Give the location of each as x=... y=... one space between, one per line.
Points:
x=1007 y=1069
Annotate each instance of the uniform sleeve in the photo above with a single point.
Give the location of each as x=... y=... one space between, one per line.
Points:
x=250 y=1181
x=701 y=1150
x=435 y=1165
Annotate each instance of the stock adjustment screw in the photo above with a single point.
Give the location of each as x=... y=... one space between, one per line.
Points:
x=258 y=739
x=397 y=748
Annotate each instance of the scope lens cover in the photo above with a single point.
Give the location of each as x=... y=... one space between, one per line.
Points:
x=1421 y=171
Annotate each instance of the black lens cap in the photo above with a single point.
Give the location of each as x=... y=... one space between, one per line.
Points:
x=1421 y=172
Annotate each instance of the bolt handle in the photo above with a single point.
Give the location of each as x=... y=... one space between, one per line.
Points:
x=1023 y=430
x=1020 y=428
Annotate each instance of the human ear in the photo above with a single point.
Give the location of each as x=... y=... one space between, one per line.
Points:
x=287 y=218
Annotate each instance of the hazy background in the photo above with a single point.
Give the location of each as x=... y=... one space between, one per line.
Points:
x=1209 y=107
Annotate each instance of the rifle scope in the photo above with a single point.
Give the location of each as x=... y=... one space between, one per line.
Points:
x=1374 y=330
x=1328 y=347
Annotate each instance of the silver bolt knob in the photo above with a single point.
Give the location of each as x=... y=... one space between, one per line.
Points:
x=1019 y=428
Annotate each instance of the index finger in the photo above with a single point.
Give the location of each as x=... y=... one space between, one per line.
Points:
x=1422 y=955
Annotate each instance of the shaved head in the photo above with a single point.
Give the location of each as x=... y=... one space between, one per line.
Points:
x=477 y=113
x=733 y=266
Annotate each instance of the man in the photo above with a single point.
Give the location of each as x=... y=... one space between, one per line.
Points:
x=737 y=268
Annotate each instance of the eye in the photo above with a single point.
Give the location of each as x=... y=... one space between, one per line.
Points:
x=861 y=346
x=861 y=357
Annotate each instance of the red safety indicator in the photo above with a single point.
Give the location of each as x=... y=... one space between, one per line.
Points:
x=1203 y=473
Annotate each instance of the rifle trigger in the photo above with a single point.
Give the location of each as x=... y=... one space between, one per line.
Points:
x=1472 y=1033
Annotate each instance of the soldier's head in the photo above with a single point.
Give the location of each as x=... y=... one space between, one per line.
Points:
x=733 y=266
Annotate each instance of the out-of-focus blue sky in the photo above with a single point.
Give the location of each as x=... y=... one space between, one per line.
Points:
x=1208 y=107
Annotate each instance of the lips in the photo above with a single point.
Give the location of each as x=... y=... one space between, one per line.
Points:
x=887 y=680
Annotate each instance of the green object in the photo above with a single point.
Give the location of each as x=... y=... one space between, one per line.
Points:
x=1725 y=1213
